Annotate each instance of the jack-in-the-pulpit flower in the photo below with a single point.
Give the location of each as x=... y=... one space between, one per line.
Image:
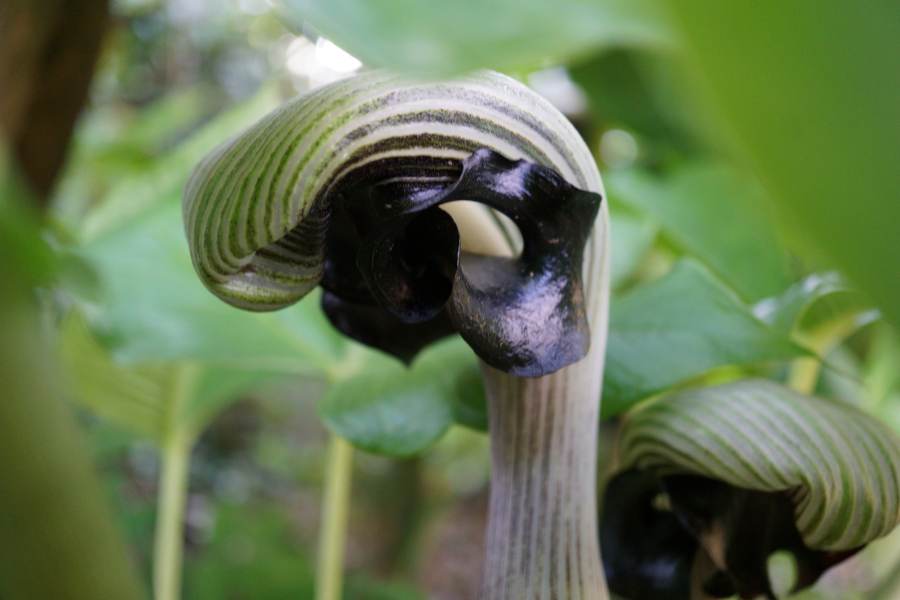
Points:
x=343 y=187
x=716 y=479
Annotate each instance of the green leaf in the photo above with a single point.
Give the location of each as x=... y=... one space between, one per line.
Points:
x=388 y=408
x=153 y=400
x=57 y=538
x=785 y=311
x=130 y=198
x=679 y=327
x=631 y=236
x=811 y=91
x=156 y=309
x=436 y=39
x=23 y=251
x=838 y=465
x=713 y=212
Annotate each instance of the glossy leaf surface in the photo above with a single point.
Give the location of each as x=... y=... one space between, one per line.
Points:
x=715 y=213
x=390 y=409
x=679 y=327
x=785 y=311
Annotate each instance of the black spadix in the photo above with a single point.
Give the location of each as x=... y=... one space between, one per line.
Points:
x=664 y=536
x=395 y=277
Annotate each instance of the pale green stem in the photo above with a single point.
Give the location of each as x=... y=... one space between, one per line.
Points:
x=169 y=542
x=804 y=373
x=335 y=513
x=176 y=448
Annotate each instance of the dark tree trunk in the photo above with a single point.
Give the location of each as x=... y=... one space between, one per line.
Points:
x=48 y=49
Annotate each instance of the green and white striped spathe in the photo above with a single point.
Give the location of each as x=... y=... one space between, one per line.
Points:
x=839 y=466
x=256 y=206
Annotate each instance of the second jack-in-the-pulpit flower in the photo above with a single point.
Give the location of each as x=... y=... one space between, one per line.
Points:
x=715 y=480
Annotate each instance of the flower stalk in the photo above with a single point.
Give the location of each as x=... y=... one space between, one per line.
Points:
x=168 y=543
x=542 y=517
x=169 y=539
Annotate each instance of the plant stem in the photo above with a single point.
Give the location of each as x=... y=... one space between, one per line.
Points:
x=335 y=513
x=542 y=538
x=169 y=541
x=173 y=485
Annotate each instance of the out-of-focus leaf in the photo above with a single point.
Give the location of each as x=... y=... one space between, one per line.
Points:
x=647 y=92
x=156 y=309
x=436 y=39
x=24 y=253
x=882 y=374
x=784 y=312
x=631 y=236
x=390 y=409
x=129 y=198
x=75 y=275
x=57 y=538
x=715 y=213
x=811 y=90
x=679 y=327
x=150 y=400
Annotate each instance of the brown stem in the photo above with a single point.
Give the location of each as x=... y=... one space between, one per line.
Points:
x=47 y=58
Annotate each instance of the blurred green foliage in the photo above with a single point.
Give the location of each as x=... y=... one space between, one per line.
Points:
x=436 y=39
x=702 y=318
x=811 y=94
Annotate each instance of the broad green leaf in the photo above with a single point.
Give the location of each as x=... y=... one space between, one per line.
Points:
x=391 y=409
x=783 y=312
x=679 y=327
x=154 y=400
x=436 y=39
x=156 y=309
x=132 y=196
x=811 y=90
x=713 y=212
x=839 y=466
x=631 y=236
